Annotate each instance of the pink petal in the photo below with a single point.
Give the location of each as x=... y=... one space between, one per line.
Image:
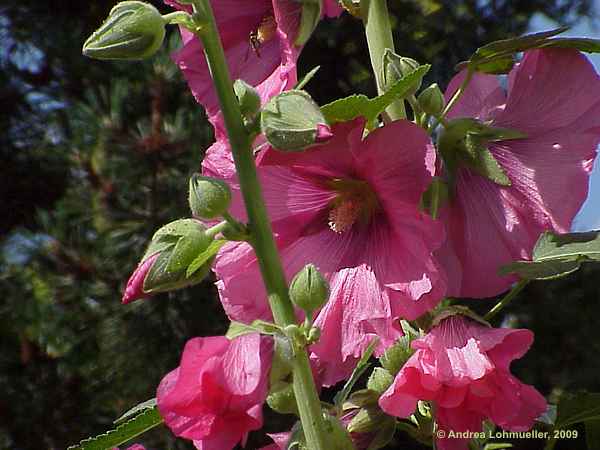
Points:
x=135 y=285
x=482 y=98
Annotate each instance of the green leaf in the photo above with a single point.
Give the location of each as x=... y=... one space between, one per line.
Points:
x=384 y=436
x=498 y=446
x=592 y=434
x=137 y=409
x=557 y=255
x=575 y=408
x=237 y=329
x=361 y=367
x=205 y=256
x=582 y=44
x=306 y=78
x=350 y=108
x=128 y=430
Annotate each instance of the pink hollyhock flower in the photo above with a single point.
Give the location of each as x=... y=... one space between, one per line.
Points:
x=351 y=207
x=215 y=396
x=554 y=98
x=135 y=285
x=258 y=38
x=280 y=441
x=463 y=367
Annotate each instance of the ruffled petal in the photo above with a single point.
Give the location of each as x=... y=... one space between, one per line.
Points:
x=480 y=100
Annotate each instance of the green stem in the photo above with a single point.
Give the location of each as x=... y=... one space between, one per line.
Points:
x=379 y=38
x=262 y=235
x=506 y=299
x=550 y=444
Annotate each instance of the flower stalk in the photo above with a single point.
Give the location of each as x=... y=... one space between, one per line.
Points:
x=259 y=225
x=378 y=30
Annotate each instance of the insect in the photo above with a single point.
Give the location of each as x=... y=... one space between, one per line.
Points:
x=264 y=33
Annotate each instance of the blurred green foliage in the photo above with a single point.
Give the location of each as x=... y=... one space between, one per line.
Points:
x=96 y=156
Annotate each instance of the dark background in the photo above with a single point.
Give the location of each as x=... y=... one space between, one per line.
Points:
x=95 y=156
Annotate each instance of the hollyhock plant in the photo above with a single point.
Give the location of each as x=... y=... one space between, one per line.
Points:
x=258 y=37
x=134 y=290
x=351 y=207
x=215 y=396
x=553 y=97
x=463 y=367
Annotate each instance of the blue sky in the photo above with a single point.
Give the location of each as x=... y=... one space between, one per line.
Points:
x=589 y=216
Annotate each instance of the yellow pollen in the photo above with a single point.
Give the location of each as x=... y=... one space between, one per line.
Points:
x=266 y=30
x=343 y=216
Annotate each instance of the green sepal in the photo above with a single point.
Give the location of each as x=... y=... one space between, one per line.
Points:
x=306 y=78
x=379 y=380
x=248 y=98
x=290 y=121
x=396 y=355
x=557 y=255
x=309 y=19
x=464 y=142
x=237 y=329
x=359 y=369
x=395 y=67
x=205 y=258
x=133 y=30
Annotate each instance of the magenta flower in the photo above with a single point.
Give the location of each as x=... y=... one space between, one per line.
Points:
x=215 y=396
x=351 y=207
x=463 y=368
x=554 y=98
x=135 y=285
x=258 y=37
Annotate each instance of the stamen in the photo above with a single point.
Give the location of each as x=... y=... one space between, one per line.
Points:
x=266 y=29
x=343 y=216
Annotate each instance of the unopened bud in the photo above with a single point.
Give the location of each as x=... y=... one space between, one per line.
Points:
x=292 y=121
x=380 y=380
x=309 y=290
x=248 y=98
x=396 y=67
x=208 y=197
x=165 y=264
x=432 y=100
x=133 y=30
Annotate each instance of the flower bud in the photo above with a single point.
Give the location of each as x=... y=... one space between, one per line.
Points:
x=396 y=67
x=311 y=15
x=292 y=121
x=369 y=428
x=248 y=98
x=133 y=30
x=309 y=290
x=208 y=197
x=164 y=266
x=432 y=100
x=380 y=380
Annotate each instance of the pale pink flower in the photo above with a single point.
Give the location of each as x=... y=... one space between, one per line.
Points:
x=135 y=285
x=554 y=98
x=215 y=396
x=350 y=206
x=463 y=367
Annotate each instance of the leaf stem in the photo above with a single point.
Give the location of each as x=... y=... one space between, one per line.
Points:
x=262 y=235
x=457 y=95
x=379 y=38
x=517 y=288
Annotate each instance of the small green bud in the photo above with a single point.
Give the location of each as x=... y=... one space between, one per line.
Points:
x=133 y=30
x=292 y=121
x=248 y=98
x=396 y=67
x=367 y=420
x=178 y=245
x=432 y=100
x=309 y=290
x=311 y=15
x=208 y=197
